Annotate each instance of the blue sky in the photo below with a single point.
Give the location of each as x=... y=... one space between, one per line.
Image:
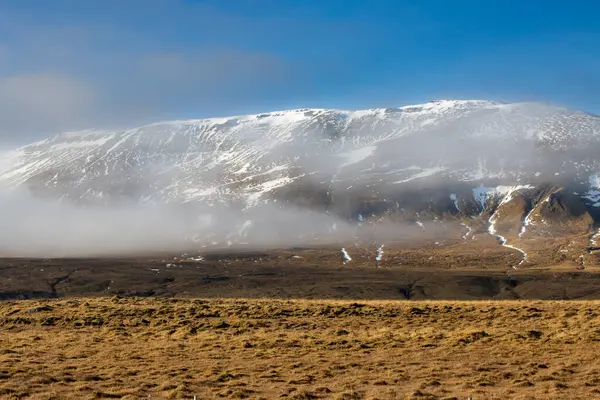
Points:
x=71 y=64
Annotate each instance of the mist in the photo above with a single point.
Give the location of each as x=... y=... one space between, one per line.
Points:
x=35 y=227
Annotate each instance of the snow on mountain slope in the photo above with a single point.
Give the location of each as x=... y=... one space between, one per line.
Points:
x=243 y=160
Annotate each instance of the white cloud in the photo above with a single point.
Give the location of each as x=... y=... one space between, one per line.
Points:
x=43 y=103
x=58 y=72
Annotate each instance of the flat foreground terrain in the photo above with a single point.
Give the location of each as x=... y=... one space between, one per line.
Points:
x=483 y=271
x=140 y=348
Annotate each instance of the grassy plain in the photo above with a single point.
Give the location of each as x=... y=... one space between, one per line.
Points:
x=158 y=348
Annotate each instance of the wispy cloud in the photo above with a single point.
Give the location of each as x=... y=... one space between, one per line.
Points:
x=62 y=74
x=43 y=102
x=205 y=76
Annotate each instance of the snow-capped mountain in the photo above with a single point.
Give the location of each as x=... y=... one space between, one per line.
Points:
x=248 y=159
x=506 y=170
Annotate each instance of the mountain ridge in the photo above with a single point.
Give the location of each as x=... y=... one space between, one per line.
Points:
x=242 y=143
x=445 y=160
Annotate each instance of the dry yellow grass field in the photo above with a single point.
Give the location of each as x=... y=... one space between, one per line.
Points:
x=133 y=348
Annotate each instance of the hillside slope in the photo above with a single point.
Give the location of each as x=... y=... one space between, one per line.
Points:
x=469 y=167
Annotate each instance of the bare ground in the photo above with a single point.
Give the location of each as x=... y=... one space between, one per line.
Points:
x=556 y=268
x=301 y=324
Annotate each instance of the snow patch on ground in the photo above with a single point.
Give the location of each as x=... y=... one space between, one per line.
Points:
x=482 y=193
x=379 y=253
x=423 y=174
x=346 y=256
x=502 y=239
x=593 y=194
x=266 y=187
x=455 y=200
x=526 y=221
x=356 y=156
x=508 y=194
x=594 y=240
x=469 y=231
